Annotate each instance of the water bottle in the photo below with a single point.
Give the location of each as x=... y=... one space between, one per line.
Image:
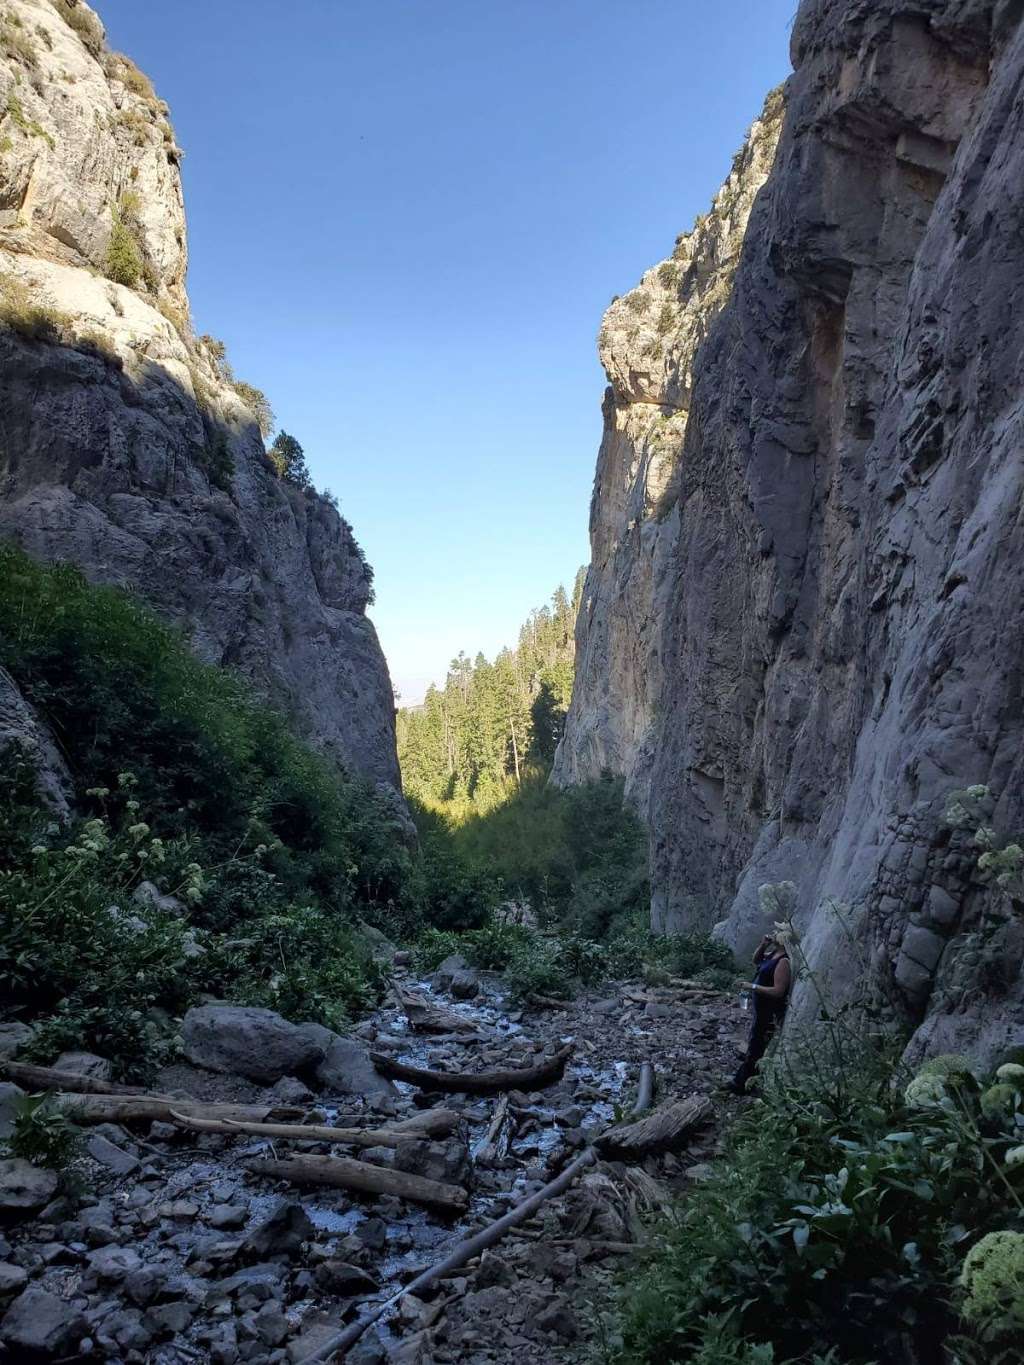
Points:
x=745 y=999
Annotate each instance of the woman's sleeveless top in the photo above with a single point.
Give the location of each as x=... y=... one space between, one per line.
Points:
x=765 y=976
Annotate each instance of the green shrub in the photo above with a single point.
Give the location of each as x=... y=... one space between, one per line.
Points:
x=123 y=262
x=258 y=404
x=16 y=44
x=838 y=1217
x=275 y=853
x=666 y=319
x=45 y=1136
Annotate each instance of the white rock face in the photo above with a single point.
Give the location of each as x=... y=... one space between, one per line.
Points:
x=812 y=637
x=122 y=446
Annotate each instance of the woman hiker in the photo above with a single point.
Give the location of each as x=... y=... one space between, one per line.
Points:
x=770 y=991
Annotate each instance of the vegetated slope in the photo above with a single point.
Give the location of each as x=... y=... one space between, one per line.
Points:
x=474 y=741
x=127 y=446
x=211 y=851
x=823 y=563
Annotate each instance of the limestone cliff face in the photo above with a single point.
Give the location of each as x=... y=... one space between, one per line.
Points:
x=124 y=445
x=835 y=620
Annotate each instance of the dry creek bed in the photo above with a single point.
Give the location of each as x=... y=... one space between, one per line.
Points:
x=182 y=1252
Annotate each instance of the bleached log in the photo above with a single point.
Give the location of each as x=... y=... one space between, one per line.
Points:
x=137 y=1108
x=37 y=1078
x=666 y=1128
x=426 y=1017
x=441 y=1122
x=344 y=1173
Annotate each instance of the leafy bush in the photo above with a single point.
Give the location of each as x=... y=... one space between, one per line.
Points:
x=272 y=851
x=257 y=403
x=839 y=1215
x=42 y=1134
x=123 y=262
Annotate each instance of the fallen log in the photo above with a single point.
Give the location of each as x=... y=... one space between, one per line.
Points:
x=657 y=1132
x=547 y=1002
x=495 y=1144
x=464 y=1252
x=476 y=1083
x=426 y=1017
x=137 y=1108
x=442 y=1123
x=645 y=1090
x=36 y=1078
x=344 y=1173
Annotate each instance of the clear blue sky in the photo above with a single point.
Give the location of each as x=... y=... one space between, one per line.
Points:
x=406 y=219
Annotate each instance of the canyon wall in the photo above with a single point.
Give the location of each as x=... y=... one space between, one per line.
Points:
x=802 y=625
x=126 y=447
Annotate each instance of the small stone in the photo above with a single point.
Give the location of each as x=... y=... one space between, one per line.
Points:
x=282 y=1233
x=344 y=1279
x=114 y=1263
x=170 y=1319
x=11 y=1097
x=559 y=1320
x=179 y=1208
x=226 y=1216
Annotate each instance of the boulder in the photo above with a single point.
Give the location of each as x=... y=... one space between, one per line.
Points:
x=108 y=1154
x=114 y=1264
x=10 y=1097
x=346 y=1069
x=456 y=976
x=24 y=1188
x=85 y=1064
x=246 y=1041
x=39 y=1325
x=343 y=1279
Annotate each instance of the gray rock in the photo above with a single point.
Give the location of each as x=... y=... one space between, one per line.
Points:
x=41 y=1325
x=114 y=1263
x=107 y=1154
x=346 y=1069
x=344 y=1279
x=13 y=1037
x=281 y=1234
x=24 y=1188
x=290 y=1090
x=447 y=1162
x=169 y=1319
x=23 y=732
x=10 y=1098
x=12 y=1279
x=456 y=976
x=791 y=653
x=227 y=1216
x=246 y=1041
x=85 y=1064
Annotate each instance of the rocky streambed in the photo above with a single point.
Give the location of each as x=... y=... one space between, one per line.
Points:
x=187 y=1246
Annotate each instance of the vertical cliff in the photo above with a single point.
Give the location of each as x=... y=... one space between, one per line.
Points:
x=831 y=622
x=126 y=447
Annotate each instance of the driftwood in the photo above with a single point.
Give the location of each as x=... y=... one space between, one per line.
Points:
x=137 y=1108
x=464 y=1252
x=645 y=1090
x=495 y=1144
x=476 y=1083
x=426 y=1017
x=36 y=1078
x=441 y=1122
x=657 y=1132
x=344 y=1173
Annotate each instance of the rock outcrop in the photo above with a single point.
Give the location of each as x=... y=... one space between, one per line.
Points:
x=802 y=623
x=126 y=445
